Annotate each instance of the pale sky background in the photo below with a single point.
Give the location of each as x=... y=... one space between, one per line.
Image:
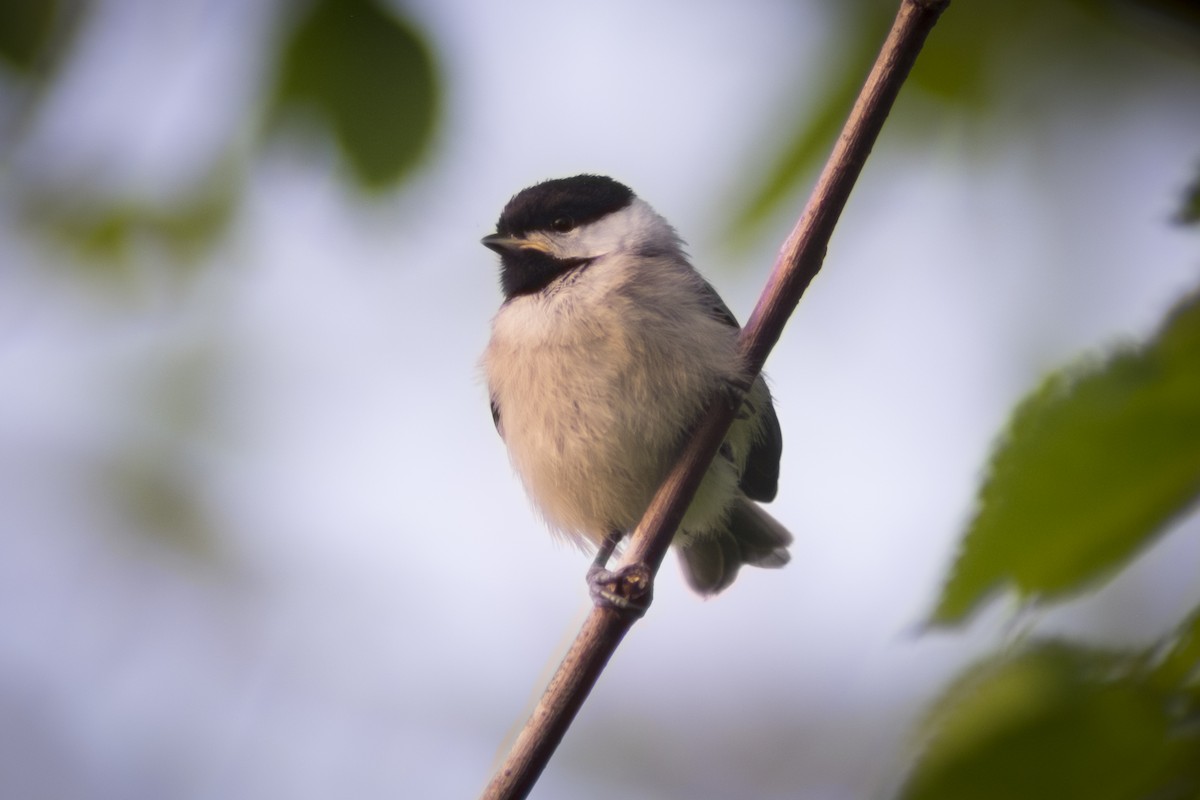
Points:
x=384 y=606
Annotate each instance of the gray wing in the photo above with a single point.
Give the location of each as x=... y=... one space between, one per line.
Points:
x=716 y=306
x=760 y=478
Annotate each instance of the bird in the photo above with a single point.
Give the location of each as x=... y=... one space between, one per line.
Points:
x=605 y=353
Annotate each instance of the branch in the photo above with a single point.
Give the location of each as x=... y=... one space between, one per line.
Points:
x=798 y=263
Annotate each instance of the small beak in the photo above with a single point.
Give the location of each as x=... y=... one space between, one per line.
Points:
x=507 y=244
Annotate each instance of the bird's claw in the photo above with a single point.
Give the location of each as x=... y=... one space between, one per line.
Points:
x=627 y=590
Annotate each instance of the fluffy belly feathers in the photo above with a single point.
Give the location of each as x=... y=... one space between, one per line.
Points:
x=593 y=420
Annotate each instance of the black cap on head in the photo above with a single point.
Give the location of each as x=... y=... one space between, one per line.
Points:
x=579 y=200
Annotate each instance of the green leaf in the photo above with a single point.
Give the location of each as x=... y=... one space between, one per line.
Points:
x=107 y=233
x=811 y=136
x=1093 y=466
x=1176 y=663
x=1189 y=210
x=809 y=142
x=1056 y=722
x=160 y=500
x=982 y=65
x=370 y=77
x=25 y=27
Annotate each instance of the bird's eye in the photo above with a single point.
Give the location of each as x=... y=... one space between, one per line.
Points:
x=563 y=224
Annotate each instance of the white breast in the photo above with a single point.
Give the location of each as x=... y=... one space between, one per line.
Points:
x=597 y=383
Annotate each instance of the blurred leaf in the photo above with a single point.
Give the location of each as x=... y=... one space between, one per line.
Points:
x=1177 y=662
x=957 y=62
x=954 y=73
x=1093 y=466
x=1189 y=212
x=25 y=28
x=1056 y=722
x=371 y=78
x=157 y=479
x=976 y=61
x=161 y=500
x=106 y=233
x=1176 y=13
x=810 y=141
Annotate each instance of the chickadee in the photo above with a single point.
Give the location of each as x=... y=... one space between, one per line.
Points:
x=605 y=353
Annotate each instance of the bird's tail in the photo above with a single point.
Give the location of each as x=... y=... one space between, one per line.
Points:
x=750 y=536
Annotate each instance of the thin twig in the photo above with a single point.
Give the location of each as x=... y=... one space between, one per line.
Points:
x=798 y=263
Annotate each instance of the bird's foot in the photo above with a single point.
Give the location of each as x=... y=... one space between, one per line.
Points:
x=627 y=590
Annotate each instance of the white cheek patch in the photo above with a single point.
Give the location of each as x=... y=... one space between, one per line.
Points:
x=622 y=231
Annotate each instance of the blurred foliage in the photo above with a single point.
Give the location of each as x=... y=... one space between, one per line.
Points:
x=155 y=491
x=1189 y=211
x=104 y=236
x=155 y=481
x=1060 y=721
x=358 y=68
x=1094 y=465
x=25 y=29
x=981 y=54
x=370 y=77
